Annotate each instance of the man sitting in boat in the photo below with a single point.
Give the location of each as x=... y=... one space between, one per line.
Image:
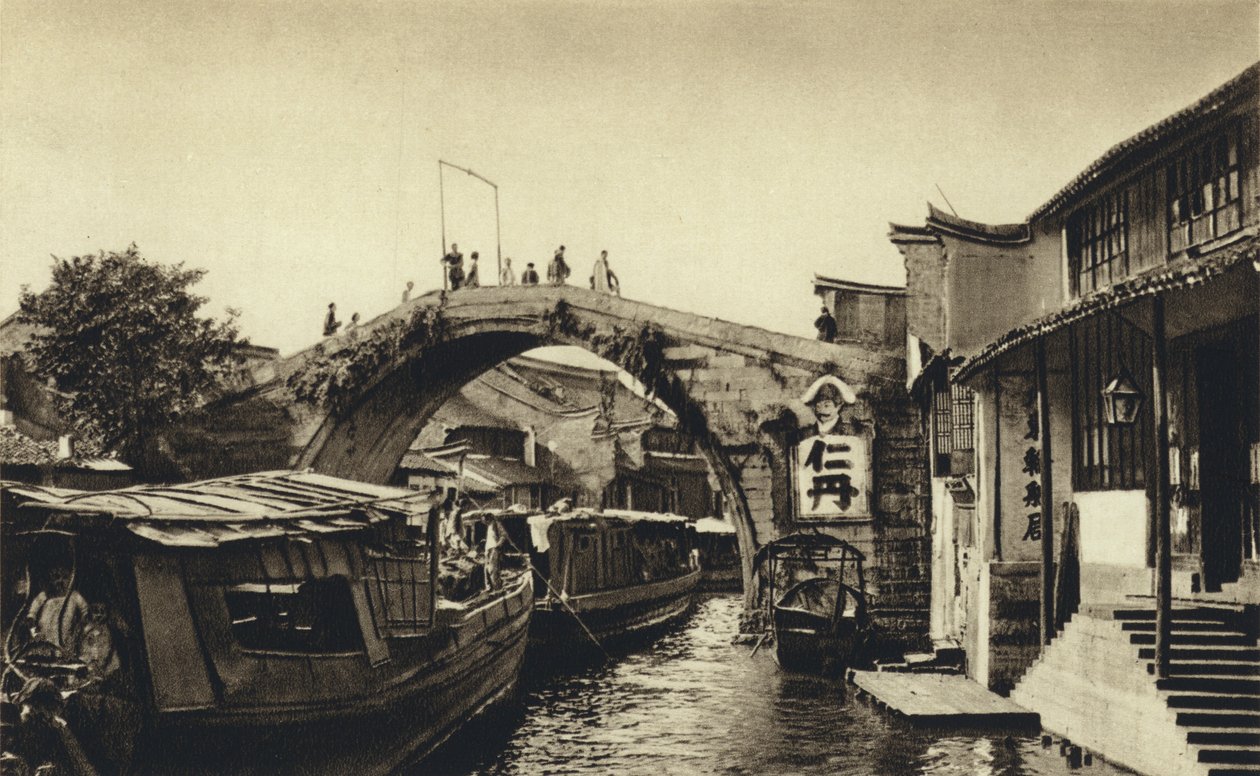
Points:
x=57 y=614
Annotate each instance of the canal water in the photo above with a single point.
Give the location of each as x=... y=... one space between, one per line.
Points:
x=693 y=703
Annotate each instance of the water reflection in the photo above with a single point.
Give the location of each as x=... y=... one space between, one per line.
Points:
x=693 y=704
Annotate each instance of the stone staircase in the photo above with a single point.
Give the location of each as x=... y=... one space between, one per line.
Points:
x=1214 y=682
x=1095 y=685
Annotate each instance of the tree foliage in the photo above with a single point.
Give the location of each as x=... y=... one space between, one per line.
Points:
x=121 y=339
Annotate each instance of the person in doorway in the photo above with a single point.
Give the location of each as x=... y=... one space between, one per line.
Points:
x=453 y=263
x=331 y=324
x=603 y=279
x=507 y=277
x=530 y=276
x=494 y=552
x=558 y=270
x=826 y=325
x=473 y=278
x=58 y=613
x=407 y=292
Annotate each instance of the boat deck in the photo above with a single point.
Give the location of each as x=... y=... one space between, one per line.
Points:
x=940 y=700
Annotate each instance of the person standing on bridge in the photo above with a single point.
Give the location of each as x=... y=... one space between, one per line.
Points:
x=507 y=277
x=453 y=264
x=331 y=324
x=473 y=279
x=558 y=271
x=826 y=326
x=530 y=276
x=603 y=279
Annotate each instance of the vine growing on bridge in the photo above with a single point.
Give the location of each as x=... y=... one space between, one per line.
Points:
x=334 y=379
x=640 y=352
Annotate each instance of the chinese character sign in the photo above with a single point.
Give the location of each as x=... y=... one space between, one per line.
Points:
x=831 y=477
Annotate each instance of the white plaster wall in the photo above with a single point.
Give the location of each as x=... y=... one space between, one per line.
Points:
x=980 y=660
x=1113 y=527
x=942 y=569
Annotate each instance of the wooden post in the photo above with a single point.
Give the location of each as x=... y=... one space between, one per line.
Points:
x=1163 y=533
x=1047 y=499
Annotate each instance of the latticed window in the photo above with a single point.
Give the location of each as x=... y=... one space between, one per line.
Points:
x=1204 y=197
x=1107 y=457
x=1098 y=243
x=953 y=429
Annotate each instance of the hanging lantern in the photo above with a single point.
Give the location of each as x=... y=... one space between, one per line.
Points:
x=1122 y=399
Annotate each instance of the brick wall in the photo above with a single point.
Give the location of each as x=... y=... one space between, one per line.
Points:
x=1014 y=609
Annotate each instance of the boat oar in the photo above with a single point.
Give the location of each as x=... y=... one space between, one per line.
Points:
x=760 y=641
x=554 y=592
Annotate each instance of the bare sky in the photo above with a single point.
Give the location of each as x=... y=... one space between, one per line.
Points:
x=722 y=152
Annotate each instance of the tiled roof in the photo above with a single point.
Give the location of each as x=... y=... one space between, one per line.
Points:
x=999 y=233
x=1213 y=103
x=504 y=471
x=417 y=461
x=17 y=449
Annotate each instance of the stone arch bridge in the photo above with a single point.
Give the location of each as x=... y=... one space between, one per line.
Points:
x=351 y=405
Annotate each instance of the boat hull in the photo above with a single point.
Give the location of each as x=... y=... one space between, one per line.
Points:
x=722 y=580
x=806 y=643
x=611 y=616
x=478 y=665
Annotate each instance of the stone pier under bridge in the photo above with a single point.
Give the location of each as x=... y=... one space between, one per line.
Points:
x=350 y=406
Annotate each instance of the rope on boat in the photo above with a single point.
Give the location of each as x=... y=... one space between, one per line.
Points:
x=553 y=591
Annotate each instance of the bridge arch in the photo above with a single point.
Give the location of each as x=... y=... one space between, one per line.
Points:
x=351 y=405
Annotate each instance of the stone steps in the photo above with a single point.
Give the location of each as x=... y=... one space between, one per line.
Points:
x=1223 y=735
x=1197 y=638
x=1221 y=682
x=1203 y=720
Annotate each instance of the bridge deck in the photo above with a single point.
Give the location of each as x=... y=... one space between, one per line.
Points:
x=941 y=700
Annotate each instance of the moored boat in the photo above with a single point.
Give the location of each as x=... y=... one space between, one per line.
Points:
x=282 y=622
x=605 y=576
x=817 y=599
x=719 y=556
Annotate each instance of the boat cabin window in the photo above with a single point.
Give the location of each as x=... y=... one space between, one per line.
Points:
x=314 y=616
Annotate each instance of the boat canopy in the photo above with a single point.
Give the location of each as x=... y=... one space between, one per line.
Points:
x=211 y=513
x=712 y=525
x=540 y=522
x=806 y=543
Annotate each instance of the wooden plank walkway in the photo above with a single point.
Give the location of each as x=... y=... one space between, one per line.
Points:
x=941 y=700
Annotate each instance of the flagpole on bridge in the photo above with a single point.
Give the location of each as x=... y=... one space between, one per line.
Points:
x=498 y=239
x=442 y=207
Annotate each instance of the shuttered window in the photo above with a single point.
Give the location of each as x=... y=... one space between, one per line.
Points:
x=1204 y=196
x=953 y=429
x=1098 y=243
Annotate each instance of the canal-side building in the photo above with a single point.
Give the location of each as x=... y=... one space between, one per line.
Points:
x=1090 y=377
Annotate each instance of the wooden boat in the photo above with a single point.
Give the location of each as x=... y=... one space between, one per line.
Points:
x=604 y=576
x=282 y=622
x=817 y=600
x=719 y=556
